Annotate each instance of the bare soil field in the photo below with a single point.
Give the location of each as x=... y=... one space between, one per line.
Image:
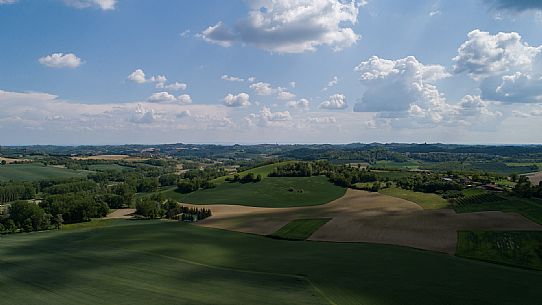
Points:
x=361 y=216
x=110 y=158
x=535 y=178
x=121 y=214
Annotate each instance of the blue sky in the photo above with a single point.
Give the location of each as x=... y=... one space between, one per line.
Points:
x=266 y=71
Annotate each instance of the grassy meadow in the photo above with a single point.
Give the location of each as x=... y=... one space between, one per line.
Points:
x=270 y=192
x=160 y=262
x=36 y=171
x=425 y=200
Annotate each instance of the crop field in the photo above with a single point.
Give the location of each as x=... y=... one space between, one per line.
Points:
x=270 y=192
x=36 y=171
x=530 y=208
x=104 y=167
x=361 y=216
x=425 y=200
x=397 y=165
x=519 y=248
x=261 y=170
x=300 y=229
x=12 y=160
x=187 y=264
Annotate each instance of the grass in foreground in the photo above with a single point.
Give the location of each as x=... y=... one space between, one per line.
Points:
x=300 y=229
x=273 y=192
x=425 y=200
x=158 y=262
x=37 y=171
x=516 y=248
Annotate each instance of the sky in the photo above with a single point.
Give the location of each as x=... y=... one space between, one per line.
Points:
x=270 y=71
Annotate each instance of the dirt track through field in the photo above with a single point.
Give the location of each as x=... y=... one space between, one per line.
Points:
x=361 y=216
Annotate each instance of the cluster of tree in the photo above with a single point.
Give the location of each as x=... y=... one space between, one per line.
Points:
x=72 y=187
x=17 y=190
x=347 y=176
x=75 y=207
x=28 y=216
x=427 y=183
x=191 y=185
x=297 y=169
x=152 y=208
x=524 y=188
x=373 y=187
x=248 y=178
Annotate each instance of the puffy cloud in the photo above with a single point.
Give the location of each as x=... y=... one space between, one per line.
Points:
x=336 y=101
x=165 y=97
x=240 y=100
x=474 y=106
x=519 y=87
x=144 y=115
x=268 y=118
x=138 y=76
x=262 y=88
x=61 y=60
x=508 y=69
x=284 y=95
x=291 y=26
x=184 y=99
x=516 y=5
x=101 y=4
x=251 y=79
x=396 y=85
x=300 y=104
x=404 y=89
x=231 y=78
x=484 y=55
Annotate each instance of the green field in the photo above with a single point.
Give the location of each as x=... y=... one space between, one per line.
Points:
x=104 y=167
x=425 y=200
x=383 y=175
x=159 y=262
x=397 y=165
x=261 y=170
x=530 y=208
x=300 y=229
x=36 y=171
x=270 y=192
x=517 y=248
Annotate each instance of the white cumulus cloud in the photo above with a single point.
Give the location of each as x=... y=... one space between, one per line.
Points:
x=291 y=26
x=336 y=101
x=240 y=100
x=61 y=60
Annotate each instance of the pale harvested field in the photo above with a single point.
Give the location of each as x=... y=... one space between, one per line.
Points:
x=535 y=178
x=110 y=158
x=121 y=214
x=361 y=216
x=12 y=160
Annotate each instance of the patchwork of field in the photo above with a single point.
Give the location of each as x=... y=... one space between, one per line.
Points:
x=36 y=171
x=361 y=216
x=111 y=158
x=159 y=262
